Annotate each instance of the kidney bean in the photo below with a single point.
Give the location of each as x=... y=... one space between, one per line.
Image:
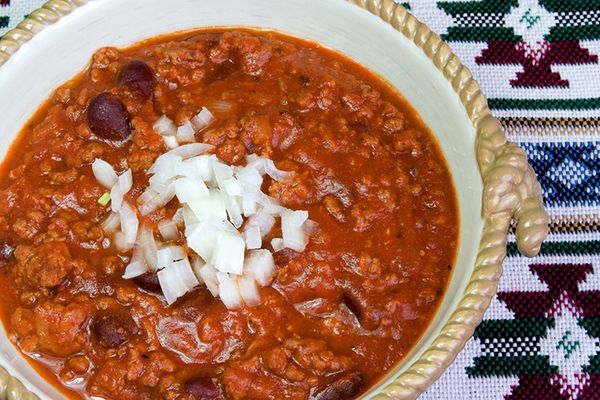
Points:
x=148 y=282
x=112 y=329
x=205 y=388
x=108 y=118
x=342 y=388
x=137 y=77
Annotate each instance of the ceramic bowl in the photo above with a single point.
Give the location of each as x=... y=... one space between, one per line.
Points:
x=493 y=180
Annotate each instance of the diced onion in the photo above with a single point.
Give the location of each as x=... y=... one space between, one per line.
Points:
x=228 y=255
x=232 y=186
x=191 y=150
x=157 y=200
x=204 y=235
x=266 y=166
x=164 y=126
x=120 y=189
x=248 y=206
x=197 y=264
x=116 y=198
x=277 y=244
x=263 y=220
x=120 y=242
x=169 y=254
x=209 y=207
x=203 y=119
x=170 y=141
x=136 y=266
x=248 y=289
x=197 y=167
x=253 y=237
x=165 y=167
x=168 y=229
x=176 y=280
x=129 y=225
x=178 y=217
x=292 y=227
x=149 y=248
x=216 y=201
x=188 y=189
x=229 y=291
x=261 y=265
x=185 y=133
x=104 y=173
x=208 y=273
x=111 y=223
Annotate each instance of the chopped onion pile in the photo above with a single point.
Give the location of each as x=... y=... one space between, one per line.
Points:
x=224 y=217
x=173 y=136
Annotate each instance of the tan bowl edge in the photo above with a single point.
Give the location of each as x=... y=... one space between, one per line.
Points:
x=511 y=191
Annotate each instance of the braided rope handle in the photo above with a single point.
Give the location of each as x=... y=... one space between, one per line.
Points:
x=12 y=389
x=510 y=191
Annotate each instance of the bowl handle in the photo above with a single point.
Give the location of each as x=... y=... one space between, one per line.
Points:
x=12 y=389
x=511 y=191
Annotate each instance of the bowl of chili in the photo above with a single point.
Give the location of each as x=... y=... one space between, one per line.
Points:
x=379 y=135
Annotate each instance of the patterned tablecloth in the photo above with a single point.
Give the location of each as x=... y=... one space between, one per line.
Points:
x=537 y=61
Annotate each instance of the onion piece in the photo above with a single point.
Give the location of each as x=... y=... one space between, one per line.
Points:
x=263 y=220
x=190 y=150
x=197 y=264
x=261 y=265
x=178 y=217
x=116 y=198
x=120 y=189
x=111 y=223
x=253 y=237
x=229 y=291
x=185 y=133
x=168 y=229
x=149 y=248
x=136 y=266
x=189 y=189
x=266 y=166
x=165 y=167
x=224 y=174
x=164 y=126
x=203 y=119
x=228 y=254
x=248 y=206
x=176 y=280
x=277 y=244
x=197 y=167
x=129 y=225
x=159 y=200
x=202 y=238
x=170 y=141
x=248 y=289
x=104 y=173
x=209 y=207
x=169 y=254
x=232 y=186
x=208 y=273
x=292 y=227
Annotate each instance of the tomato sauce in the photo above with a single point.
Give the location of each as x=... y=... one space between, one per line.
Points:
x=337 y=317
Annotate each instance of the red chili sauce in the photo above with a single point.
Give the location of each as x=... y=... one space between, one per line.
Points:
x=337 y=317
